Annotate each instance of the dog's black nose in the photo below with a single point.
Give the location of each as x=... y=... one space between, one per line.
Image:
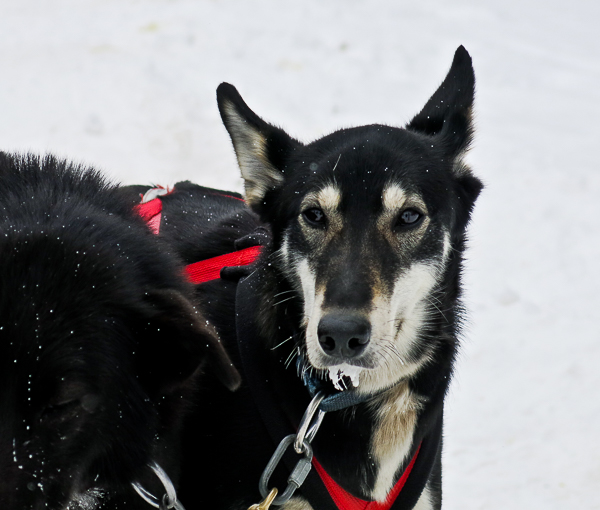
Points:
x=343 y=335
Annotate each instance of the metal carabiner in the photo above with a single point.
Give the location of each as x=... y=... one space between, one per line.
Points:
x=309 y=425
x=296 y=478
x=304 y=432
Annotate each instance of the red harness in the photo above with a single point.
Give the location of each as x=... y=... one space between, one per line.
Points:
x=210 y=269
x=203 y=270
x=346 y=501
x=151 y=213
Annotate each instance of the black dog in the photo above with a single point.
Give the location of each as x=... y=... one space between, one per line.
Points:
x=356 y=295
x=100 y=344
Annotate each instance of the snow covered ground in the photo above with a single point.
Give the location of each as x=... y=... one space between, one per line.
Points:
x=128 y=86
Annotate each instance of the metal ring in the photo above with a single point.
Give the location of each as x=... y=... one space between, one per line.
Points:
x=307 y=421
x=171 y=501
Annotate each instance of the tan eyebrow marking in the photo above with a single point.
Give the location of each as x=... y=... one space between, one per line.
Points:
x=329 y=197
x=393 y=197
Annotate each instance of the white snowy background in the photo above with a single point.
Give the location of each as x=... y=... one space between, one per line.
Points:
x=129 y=86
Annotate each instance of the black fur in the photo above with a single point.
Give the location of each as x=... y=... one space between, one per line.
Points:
x=100 y=345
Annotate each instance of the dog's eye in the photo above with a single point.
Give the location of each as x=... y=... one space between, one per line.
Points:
x=409 y=217
x=314 y=216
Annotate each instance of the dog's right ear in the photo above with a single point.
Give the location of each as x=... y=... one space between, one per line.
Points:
x=262 y=150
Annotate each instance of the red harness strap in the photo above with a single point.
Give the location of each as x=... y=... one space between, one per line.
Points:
x=210 y=269
x=346 y=501
x=151 y=212
x=203 y=270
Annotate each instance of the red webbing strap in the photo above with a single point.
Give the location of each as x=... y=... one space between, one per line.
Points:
x=204 y=270
x=210 y=269
x=346 y=501
x=151 y=213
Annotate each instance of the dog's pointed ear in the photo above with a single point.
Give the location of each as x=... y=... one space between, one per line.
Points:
x=180 y=340
x=262 y=150
x=447 y=116
x=447 y=119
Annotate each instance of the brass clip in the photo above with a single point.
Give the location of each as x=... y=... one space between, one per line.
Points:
x=265 y=503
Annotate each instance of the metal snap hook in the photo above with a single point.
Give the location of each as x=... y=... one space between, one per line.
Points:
x=308 y=428
x=169 y=499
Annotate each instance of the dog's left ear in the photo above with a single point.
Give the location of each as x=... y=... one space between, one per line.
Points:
x=180 y=340
x=447 y=114
x=447 y=119
x=262 y=150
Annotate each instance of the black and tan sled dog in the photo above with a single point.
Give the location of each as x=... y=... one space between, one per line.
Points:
x=356 y=295
x=100 y=343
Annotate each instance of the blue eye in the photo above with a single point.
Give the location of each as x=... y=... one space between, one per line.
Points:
x=315 y=217
x=409 y=217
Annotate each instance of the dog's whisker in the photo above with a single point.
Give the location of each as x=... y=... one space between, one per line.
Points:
x=393 y=351
x=290 y=358
x=386 y=354
x=437 y=308
x=281 y=343
x=284 y=292
x=283 y=300
x=336 y=163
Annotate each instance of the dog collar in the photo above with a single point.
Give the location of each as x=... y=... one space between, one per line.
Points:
x=335 y=401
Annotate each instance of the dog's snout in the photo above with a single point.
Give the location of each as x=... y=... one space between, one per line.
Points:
x=343 y=335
